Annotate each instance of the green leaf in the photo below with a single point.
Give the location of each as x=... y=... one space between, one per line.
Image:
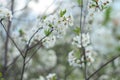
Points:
x=62 y=13
x=50 y=25
x=44 y=17
x=21 y=32
x=77 y=30
x=107 y=15
x=47 y=32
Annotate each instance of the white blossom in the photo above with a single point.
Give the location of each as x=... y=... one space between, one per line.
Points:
x=98 y=5
x=51 y=76
x=79 y=62
x=5 y=13
x=89 y=53
x=54 y=25
x=73 y=61
x=83 y=39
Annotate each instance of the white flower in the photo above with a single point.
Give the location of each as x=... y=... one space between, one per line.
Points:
x=51 y=76
x=61 y=25
x=5 y=13
x=105 y=1
x=73 y=61
x=70 y=20
x=85 y=40
x=98 y=5
x=59 y=31
x=89 y=54
x=79 y=62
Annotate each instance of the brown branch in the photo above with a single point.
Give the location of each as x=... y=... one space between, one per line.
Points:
x=7 y=41
x=104 y=65
x=39 y=42
x=34 y=35
x=31 y=47
x=11 y=38
x=33 y=54
x=23 y=68
x=13 y=62
x=82 y=24
x=6 y=51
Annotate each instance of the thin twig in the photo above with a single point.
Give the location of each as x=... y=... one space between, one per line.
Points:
x=33 y=54
x=11 y=38
x=23 y=68
x=85 y=13
x=11 y=64
x=31 y=47
x=24 y=64
x=82 y=47
x=104 y=65
x=7 y=42
x=34 y=35
x=81 y=19
x=39 y=42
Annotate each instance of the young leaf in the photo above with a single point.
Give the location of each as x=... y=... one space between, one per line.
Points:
x=77 y=30
x=107 y=16
x=50 y=25
x=62 y=13
x=44 y=17
x=21 y=32
x=47 y=32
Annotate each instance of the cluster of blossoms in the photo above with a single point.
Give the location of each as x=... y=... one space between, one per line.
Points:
x=85 y=40
x=106 y=29
x=5 y=13
x=79 y=41
x=79 y=62
x=49 y=28
x=73 y=61
x=57 y=25
x=99 y=4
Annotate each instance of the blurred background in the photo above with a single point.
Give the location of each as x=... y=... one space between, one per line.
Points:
x=103 y=26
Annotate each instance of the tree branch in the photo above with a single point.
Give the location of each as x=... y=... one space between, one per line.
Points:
x=34 y=35
x=82 y=24
x=11 y=38
x=31 y=47
x=104 y=65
